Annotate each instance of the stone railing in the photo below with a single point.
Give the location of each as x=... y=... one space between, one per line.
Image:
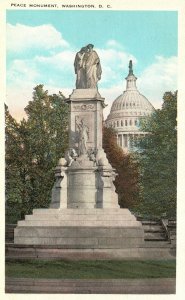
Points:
x=170 y=228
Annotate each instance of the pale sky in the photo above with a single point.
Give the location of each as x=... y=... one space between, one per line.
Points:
x=41 y=47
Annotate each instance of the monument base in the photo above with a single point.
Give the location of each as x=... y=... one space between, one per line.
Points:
x=85 y=94
x=80 y=229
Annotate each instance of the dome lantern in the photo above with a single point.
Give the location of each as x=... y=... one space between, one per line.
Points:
x=131 y=78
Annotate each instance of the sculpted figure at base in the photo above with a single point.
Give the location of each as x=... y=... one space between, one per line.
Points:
x=87 y=68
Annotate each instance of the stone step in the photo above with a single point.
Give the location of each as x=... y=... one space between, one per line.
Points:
x=157 y=236
x=101 y=223
x=84 y=232
x=94 y=243
x=85 y=217
x=81 y=211
x=157 y=244
x=153 y=228
x=146 y=222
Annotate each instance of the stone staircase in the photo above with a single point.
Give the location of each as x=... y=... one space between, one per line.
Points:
x=155 y=234
x=157 y=244
x=9 y=232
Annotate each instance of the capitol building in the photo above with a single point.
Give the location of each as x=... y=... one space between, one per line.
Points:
x=126 y=112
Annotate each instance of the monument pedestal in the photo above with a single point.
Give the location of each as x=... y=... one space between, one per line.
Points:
x=84 y=211
x=85 y=178
x=80 y=228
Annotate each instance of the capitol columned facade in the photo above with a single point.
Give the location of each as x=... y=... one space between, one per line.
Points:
x=126 y=112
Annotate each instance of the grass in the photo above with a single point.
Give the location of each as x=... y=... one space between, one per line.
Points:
x=100 y=269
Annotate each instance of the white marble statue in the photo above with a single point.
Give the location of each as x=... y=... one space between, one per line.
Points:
x=80 y=68
x=87 y=68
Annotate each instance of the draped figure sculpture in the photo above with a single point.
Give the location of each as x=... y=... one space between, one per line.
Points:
x=80 y=68
x=87 y=68
x=83 y=131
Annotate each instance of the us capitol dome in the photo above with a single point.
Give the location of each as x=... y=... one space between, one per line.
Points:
x=126 y=112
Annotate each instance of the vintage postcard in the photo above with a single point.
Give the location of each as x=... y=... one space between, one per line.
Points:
x=71 y=70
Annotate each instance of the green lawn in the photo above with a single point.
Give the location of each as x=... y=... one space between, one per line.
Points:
x=101 y=269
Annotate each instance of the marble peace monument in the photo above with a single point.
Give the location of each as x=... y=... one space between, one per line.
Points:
x=84 y=213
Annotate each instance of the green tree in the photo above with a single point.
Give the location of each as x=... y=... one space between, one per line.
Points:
x=126 y=182
x=39 y=141
x=158 y=160
x=14 y=186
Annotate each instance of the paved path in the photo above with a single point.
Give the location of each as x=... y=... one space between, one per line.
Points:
x=94 y=286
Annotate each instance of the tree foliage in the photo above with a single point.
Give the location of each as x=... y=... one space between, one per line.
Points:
x=126 y=182
x=158 y=160
x=33 y=148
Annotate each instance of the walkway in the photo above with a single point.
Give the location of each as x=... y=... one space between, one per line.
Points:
x=100 y=286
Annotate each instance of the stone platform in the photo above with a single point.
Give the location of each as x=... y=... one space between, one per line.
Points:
x=80 y=229
x=84 y=234
x=71 y=252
